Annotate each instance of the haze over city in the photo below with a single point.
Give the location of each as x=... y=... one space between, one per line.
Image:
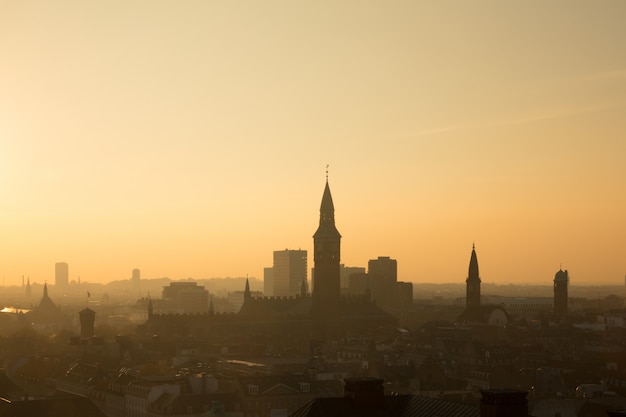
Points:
x=191 y=139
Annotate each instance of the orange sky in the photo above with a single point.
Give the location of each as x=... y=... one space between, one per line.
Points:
x=190 y=139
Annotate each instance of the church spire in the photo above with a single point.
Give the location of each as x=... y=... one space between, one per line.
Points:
x=246 y=293
x=472 y=293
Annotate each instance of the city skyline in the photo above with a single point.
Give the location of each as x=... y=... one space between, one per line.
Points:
x=192 y=140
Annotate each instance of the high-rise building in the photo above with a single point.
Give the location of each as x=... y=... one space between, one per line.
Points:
x=383 y=276
x=268 y=281
x=61 y=274
x=561 y=281
x=472 y=283
x=288 y=272
x=136 y=275
x=326 y=255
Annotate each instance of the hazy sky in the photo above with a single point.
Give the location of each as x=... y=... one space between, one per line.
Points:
x=190 y=138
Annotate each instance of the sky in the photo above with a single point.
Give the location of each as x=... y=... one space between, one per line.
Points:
x=191 y=138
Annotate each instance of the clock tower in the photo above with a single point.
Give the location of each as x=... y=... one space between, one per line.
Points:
x=326 y=255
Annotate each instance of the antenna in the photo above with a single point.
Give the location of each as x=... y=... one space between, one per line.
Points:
x=327 y=172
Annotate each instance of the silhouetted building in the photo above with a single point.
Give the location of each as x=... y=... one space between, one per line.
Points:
x=561 y=280
x=186 y=297
x=268 y=281
x=61 y=274
x=289 y=270
x=136 y=275
x=299 y=323
x=472 y=283
x=475 y=312
x=383 y=275
x=327 y=252
x=29 y=291
x=87 y=319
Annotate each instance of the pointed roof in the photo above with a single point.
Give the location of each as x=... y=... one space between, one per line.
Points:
x=473 y=274
x=327 y=200
x=327 y=216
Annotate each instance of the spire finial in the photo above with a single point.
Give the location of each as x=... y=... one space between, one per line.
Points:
x=327 y=172
x=473 y=245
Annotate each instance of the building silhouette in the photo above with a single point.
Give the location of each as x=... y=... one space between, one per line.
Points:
x=383 y=276
x=475 y=312
x=268 y=281
x=87 y=319
x=186 y=297
x=288 y=272
x=326 y=257
x=286 y=323
x=561 y=281
x=472 y=283
x=61 y=274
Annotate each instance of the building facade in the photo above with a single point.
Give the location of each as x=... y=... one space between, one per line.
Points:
x=288 y=272
x=61 y=274
x=383 y=276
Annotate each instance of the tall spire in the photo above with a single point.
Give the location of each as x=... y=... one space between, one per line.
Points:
x=246 y=293
x=473 y=274
x=327 y=215
x=472 y=287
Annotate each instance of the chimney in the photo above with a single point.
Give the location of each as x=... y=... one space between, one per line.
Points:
x=503 y=403
x=365 y=392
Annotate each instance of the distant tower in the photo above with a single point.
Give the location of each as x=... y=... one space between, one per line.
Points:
x=246 y=293
x=561 y=281
x=87 y=319
x=61 y=274
x=383 y=277
x=150 y=309
x=136 y=275
x=472 y=289
x=29 y=292
x=327 y=250
x=288 y=272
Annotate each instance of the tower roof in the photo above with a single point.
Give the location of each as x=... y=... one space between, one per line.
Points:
x=327 y=200
x=473 y=266
x=561 y=276
x=327 y=216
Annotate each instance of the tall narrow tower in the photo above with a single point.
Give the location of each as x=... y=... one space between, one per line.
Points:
x=472 y=289
x=326 y=249
x=561 y=280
